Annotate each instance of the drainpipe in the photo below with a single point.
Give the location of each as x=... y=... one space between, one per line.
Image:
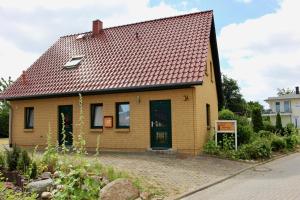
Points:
x=10 y=126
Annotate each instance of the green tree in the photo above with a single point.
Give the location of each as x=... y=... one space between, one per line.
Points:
x=278 y=123
x=4 y=109
x=257 y=119
x=233 y=99
x=251 y=105
x=284 y=91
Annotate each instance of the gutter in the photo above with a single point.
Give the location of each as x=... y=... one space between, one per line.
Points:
x=109 y=91
x=10 y=126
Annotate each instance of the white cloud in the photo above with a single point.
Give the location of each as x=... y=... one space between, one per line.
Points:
x=263 y=53
x=13 y=60
x=244 y=1
x=29 y=28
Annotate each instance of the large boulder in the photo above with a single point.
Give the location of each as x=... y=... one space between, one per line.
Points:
x=40 y=186
x=120 y=189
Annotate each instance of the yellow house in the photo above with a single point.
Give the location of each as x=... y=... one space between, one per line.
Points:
x=153 y=85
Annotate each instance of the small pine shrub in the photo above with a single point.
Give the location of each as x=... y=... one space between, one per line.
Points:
x=12 y=157
x=278 y=143
x=34 y=170
x=278 y=123
x=257 y=120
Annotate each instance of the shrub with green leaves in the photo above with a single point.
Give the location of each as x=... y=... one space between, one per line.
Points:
x=269 y=127
x=290 y=129
x=258 y=149
x=265 y=134
x=211 y=148
x=226 y=114
x=278 y=143
x=2 y=160
x=291 y=142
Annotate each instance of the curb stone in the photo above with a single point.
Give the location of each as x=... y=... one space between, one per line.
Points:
x=187 y=194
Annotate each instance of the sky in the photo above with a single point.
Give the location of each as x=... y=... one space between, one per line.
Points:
x=258 y=40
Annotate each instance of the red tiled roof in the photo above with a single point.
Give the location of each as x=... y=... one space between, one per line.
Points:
x=167 y=51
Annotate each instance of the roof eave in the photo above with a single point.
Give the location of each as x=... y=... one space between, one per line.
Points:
x=109 y=91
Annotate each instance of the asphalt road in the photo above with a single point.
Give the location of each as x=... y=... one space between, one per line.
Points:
x=276 y=180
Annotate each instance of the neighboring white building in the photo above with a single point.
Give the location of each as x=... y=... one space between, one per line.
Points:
x=288 y=106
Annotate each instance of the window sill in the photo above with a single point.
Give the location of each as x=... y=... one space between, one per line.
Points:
x=122 y=130
x=96 y=130
x=28 y=129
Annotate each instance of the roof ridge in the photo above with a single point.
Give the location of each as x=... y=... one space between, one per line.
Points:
x=145 y=21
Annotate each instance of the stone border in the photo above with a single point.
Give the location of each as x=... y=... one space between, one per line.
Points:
x=233 y=175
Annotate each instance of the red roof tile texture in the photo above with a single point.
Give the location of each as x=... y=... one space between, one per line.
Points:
x=154 y=53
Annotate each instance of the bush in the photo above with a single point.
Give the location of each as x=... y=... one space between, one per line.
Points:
x=244 y=134
x=257 y=120
x=278 y=143
x=290 y=129
x=2 y=159
x=211 y=148
x=269 y=127
x=12 y=158
x=226 y=114
x=24 y=161
x=4 y=125
x=265 y=134
x=33 y=170
x=278 y=123
x=259 y=149
x=291 y=142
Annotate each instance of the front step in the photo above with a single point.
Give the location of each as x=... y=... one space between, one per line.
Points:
x=162 y=151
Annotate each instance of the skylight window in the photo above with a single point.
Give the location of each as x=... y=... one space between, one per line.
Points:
x=81 y=36
x=73 y=62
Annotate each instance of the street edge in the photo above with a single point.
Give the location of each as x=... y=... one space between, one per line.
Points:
x=233 y=175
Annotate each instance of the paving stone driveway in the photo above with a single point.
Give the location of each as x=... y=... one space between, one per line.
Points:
x=176 y=174
x=277 y=180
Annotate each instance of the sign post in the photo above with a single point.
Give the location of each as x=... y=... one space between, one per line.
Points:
x=226 y=126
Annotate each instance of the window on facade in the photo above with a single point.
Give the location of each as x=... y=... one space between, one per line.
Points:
x=122 y=115
x=29 y=117
x=287 y=106
x=277 y=107
x=73 y=62
x=208 y=118
x=96 y=116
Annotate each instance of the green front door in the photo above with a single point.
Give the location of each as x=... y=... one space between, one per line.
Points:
x=67 y=111
x=160 y=124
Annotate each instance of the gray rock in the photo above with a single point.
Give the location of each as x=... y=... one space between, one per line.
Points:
x=56 y=174
x=46 y=195
x=40 y=186
x=46 y=175
x=120 y=189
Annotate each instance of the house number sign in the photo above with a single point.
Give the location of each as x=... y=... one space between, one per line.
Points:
x=108 y=121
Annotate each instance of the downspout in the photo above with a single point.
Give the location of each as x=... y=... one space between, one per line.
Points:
x=10 y=126
x=194 y=121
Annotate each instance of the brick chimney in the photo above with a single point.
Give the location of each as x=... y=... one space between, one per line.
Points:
x=24 y=78
x=97 y=27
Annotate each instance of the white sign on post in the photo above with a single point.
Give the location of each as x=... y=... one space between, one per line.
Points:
x=225 y=127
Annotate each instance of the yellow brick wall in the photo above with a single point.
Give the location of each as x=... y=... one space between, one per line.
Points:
x=205 y=94
x=137 y=138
